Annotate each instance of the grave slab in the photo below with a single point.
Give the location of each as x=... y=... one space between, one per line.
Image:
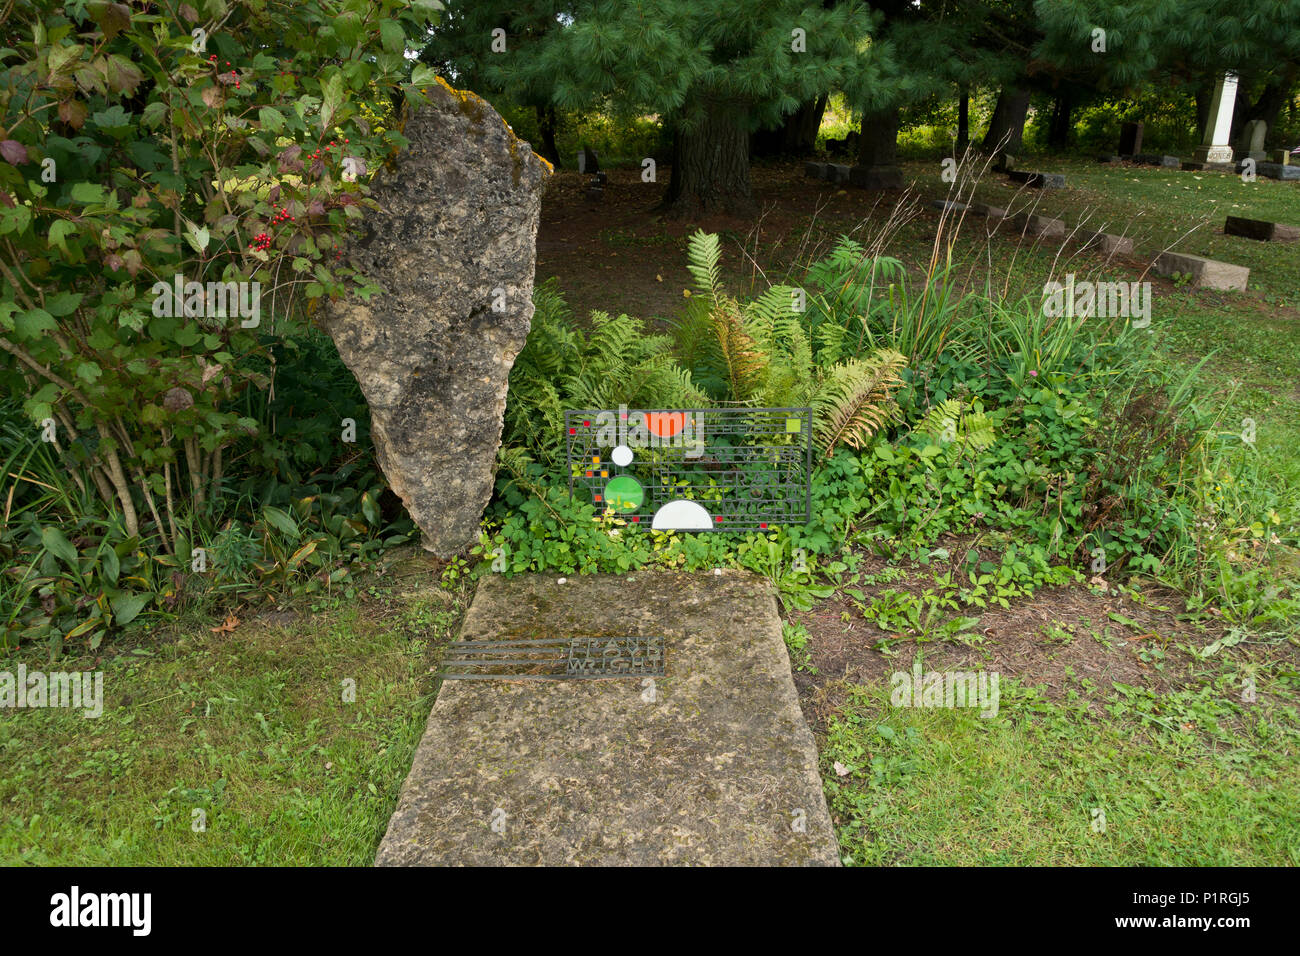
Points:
x=1277 y=171
x=1045 y=226
x=815 y=170
x=1156 y=159
x=1108 y=243
x=984 y=209
x=1037 y=180
x=712 y=764
x=1205 y=273
x=1260 y=229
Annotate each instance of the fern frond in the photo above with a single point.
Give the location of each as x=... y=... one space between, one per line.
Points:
x=745 y=362
x=940 y=422
x=856 y=400
x=703 y=254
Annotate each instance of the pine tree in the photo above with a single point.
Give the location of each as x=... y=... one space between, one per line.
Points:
x=713 y=71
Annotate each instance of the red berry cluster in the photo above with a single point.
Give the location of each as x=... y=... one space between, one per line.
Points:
x=281 y=216
x=212 y=59
x=261 y=242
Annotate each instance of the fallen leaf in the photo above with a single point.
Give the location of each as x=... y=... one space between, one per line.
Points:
x=225 y=627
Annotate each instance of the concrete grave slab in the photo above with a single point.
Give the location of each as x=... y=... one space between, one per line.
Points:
x=713 y=764
x=1277 y=171
x=1108 y=243
x=1155 y=159
x=1260 y=229
x=1037 y=180
x=1030 y=225
x=984 y=209
x=1205 y=273
x=815 y=170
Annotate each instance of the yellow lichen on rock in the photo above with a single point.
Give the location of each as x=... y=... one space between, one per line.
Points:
x=474 y=106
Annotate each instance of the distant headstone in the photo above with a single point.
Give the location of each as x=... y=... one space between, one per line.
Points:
x=1130 y=139
x=1252 y=139
x=1277 y=171
x=837 y=172
x=1037 y=180
x=1214 y=146
x=948 y=205
x=1260 y=229
x=1110 y=158
x=880 y=177
x=587 y=161
x=1156 y=159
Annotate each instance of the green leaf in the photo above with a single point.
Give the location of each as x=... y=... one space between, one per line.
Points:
x=423 y=75
x=14 y=219
x=392 y=36
x=331 y=100
x=87 y=193
x=370 y=508
x=127 y=606
x=280 y=520
x=59 y=546
x=63 y=303
x=59 y=232
x=271 y=119
x=30 y=324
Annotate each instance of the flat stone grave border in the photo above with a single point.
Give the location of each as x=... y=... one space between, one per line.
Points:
x=712 y=764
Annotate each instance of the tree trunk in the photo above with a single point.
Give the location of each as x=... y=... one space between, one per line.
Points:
x=1006 y=130
x=711 y=166
x=1276 y=94
x=963 y=120
x=1204 y=95
x=1058 y=132
x=547 y=122
x=797 y=133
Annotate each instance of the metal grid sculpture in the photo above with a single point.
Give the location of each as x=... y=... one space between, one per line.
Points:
x=694 y=469
x=558 y=658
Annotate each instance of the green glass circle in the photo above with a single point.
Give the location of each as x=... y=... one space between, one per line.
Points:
x=624 y=494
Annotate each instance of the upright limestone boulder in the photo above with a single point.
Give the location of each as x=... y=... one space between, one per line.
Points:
x=453 y=245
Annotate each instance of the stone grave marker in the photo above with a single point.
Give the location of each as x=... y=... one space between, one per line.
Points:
x=1130 y=139
x=452 y=243
x=1260 y=230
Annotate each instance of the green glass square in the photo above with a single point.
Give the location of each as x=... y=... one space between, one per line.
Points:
x=793 y=426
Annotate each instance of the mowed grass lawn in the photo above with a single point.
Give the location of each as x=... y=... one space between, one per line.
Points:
x=248 y=726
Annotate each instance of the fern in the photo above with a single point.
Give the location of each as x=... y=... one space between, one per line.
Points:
x=856 y=400
x=703 y=254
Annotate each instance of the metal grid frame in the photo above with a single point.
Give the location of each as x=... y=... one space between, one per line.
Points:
x=753 y=474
